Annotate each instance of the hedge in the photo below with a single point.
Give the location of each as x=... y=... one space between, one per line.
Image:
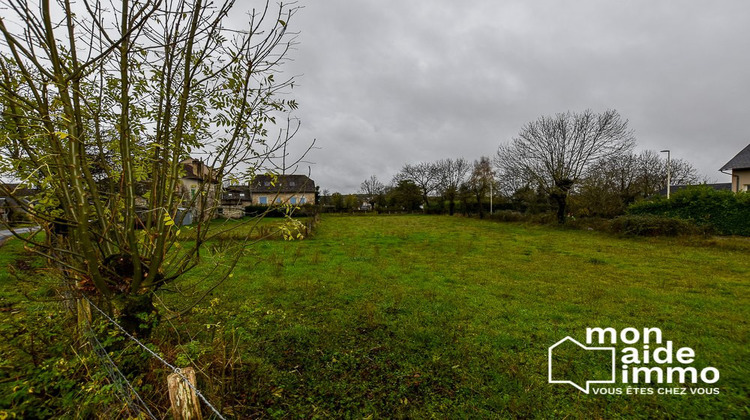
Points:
x=725 y=212
x=650 y=225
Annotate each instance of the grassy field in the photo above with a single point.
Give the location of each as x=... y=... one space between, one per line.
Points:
x=447 y=317
x=421 y=316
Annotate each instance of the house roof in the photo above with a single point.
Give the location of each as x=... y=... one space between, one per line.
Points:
x=237 y=189
x=282 y=184
x=231 y=196
x=196 y=169
x=741 y=161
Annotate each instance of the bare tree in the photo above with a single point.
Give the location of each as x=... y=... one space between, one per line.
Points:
x=424 y=175
x=100 y=98
x=481 y=180
x=610 y=186
x=451 y=174
x=372 y=188
x=557 y=152
x=615 y=183
x=510 y=179
x=652 y=172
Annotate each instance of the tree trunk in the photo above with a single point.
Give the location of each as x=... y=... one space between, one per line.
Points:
x=562 y=205
x=451 y=197
x=135 y=312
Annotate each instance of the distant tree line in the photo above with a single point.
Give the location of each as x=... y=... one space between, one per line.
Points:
x=569 y=164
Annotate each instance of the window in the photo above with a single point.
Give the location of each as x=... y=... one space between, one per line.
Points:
x=292 y=183
x=302 y=200
x=267 y=184
x=192 y=191
x=242 y=194
x=293 y=200
x=278 y=200
x=263 y=200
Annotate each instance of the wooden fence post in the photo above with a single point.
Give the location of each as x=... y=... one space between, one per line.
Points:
x=185 y=404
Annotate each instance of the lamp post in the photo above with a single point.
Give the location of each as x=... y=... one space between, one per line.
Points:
x=669 y=171
x=492 y=181
x=490 y=196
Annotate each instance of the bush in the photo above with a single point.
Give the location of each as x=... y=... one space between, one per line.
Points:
x=543 y=218
x=509 y=216
x=517 y=216
x=590 y=223
x=648 y=225
x=724 y=212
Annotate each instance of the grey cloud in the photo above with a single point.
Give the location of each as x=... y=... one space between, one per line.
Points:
x=386 y=83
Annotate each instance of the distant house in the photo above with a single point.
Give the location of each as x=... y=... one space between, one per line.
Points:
x=740 y=167
x=234 y=199
x=286 y=189
x=197 y=178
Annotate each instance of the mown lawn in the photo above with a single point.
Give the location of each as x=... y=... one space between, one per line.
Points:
x=436 y=316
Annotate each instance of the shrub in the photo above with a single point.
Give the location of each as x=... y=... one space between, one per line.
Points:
x=725 y=212
x=543 y=218
x=589 y=223
x=509 y=216
x=436 y=207
x=649 y=225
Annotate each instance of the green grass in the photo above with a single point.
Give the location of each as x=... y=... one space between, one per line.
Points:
x=421 y=316
x=244 y=229
x=437 y=316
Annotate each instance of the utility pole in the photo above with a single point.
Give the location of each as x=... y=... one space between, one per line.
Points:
x=492 y=178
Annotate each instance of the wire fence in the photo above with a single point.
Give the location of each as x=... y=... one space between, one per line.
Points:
x=119 y=378
x=127 y=393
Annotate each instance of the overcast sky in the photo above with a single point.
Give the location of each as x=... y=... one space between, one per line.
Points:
x=384 y=83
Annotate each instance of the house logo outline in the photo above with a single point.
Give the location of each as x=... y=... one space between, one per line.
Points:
x=585 y=390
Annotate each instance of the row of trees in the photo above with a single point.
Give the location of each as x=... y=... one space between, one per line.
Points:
x=426 y=184
x=580 y=162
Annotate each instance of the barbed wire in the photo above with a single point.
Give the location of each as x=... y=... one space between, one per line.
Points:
x=174 y=369
x=115 y=374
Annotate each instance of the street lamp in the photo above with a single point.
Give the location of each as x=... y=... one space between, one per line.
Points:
x=669 y=171
x=491 y=194
x=492 y=181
